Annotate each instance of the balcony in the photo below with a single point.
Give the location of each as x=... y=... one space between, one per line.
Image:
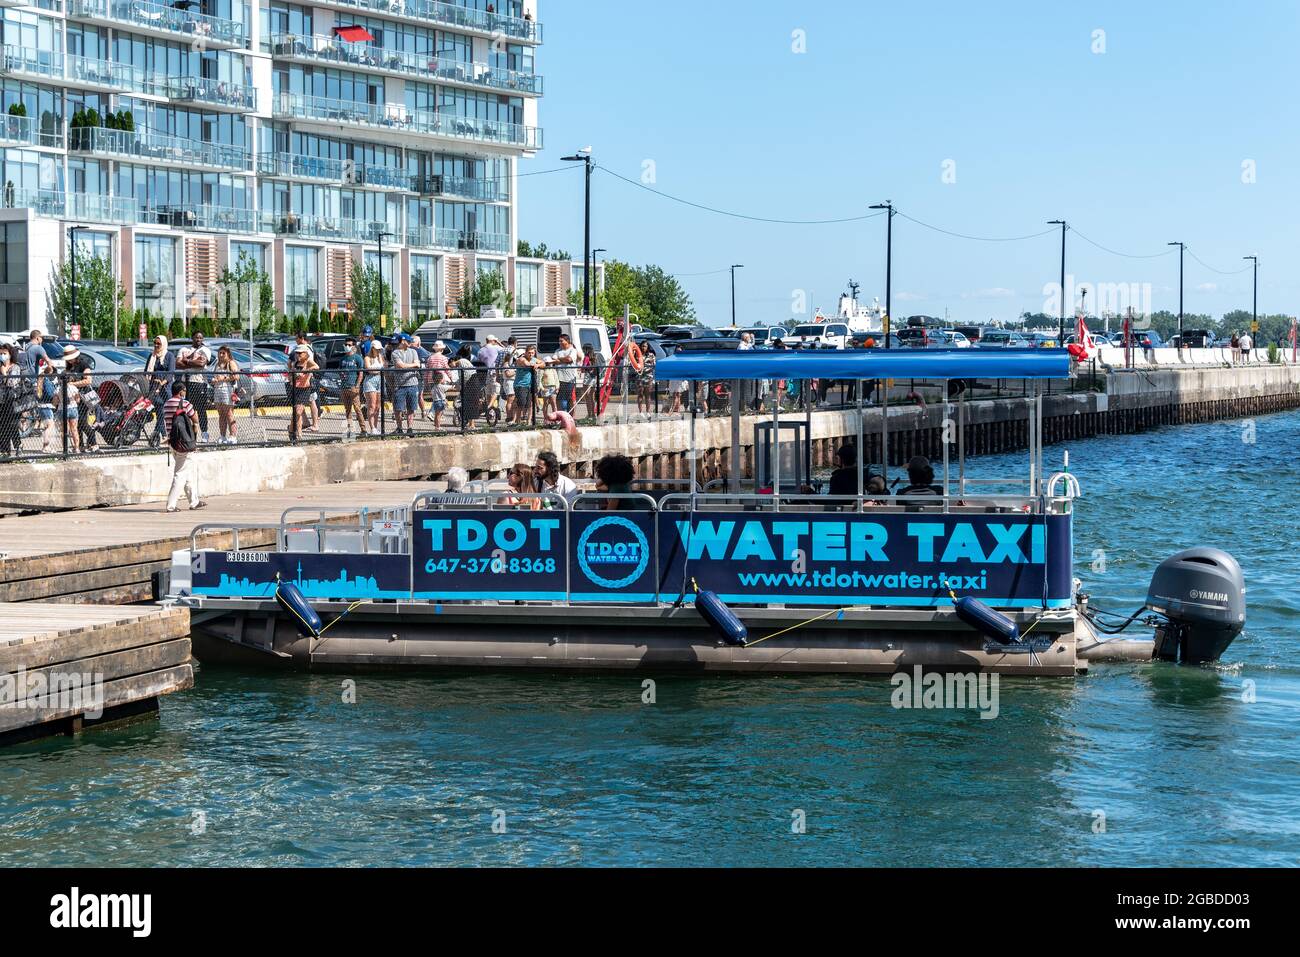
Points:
x=336 y=171
x=396 y=119
x=433 y=237
x=221 y=219
x=320 y=227
x=365 y=56
x=97 y=208
x=449 y=15
x=83 y=71
x=464 y=187
x=205 y=91
x=26 y=61
x=26 y=131
x=88 y=207
x=163 y=20
x=152 y=147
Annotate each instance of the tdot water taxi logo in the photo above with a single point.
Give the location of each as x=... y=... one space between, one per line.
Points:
x=613 y=553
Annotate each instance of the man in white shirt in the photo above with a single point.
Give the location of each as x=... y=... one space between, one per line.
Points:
x=546 y=473
x=195 y=357
x=567 y=360
x=1247 y=343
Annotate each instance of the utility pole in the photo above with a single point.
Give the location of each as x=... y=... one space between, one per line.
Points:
x=888 y=206
x=1182 y=250
x=1064 y=226
x=733 y=294
x=584 y=156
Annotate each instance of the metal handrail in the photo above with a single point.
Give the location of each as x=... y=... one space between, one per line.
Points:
x=862 y=503
x=605 y=496
x=235 y=527
x=422 y=499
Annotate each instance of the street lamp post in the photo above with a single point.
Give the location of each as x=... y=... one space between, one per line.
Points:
x=595 y=258
x=380 y=235
x=584 y=156
x=1182 y=250
x=1064 y=226
x=72 y=241
x=733 y=293
x=1254 y=304
x=888 y=206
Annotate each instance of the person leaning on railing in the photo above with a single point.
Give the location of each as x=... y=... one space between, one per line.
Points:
x=303 y=373
x=11 y=389
x=224 y=384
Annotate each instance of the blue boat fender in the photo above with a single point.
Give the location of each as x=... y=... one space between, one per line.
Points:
x=990 y=623
x=722 y=619
x=291 y=599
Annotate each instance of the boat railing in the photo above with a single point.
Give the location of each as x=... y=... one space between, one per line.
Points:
x=490 y=499
x=339 y=529
x=598 y=501
x=233 y=527
x=880 y=504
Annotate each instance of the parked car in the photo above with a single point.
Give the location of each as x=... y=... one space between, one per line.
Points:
x=917 y=337
x=763 y=335
x=819 y=335
x=1002 y=339
x=1045 y=340
x=952 y=339
x=874 y=340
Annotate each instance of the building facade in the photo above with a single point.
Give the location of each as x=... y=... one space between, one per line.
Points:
x=180 y=135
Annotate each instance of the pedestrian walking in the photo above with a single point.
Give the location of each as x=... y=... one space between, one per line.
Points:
x=181 y=422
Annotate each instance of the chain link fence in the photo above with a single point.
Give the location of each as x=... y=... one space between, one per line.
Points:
x=64 y=415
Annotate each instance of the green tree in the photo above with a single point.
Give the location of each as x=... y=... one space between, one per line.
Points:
x=244 y=294
x=666 y=301
x=371 y=295
x=99 y=295
x=487 y=291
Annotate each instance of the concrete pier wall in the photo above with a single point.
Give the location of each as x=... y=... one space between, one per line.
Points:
x=1132 y=401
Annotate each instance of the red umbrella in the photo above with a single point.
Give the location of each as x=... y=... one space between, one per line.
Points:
x=354 y=34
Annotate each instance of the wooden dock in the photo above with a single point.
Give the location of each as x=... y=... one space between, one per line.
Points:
x=64 y=667
x=110 y=555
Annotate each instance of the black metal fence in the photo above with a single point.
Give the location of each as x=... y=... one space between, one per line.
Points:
x=63 y=415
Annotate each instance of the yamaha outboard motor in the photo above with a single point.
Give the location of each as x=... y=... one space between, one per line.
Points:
x=1202 y=595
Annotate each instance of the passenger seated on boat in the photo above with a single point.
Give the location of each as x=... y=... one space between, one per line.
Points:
x=876 y=486
x=615 y=475
x=457 y=478
x=920 y=473
x=520 y=480
x=547 y=477
x=844 y=480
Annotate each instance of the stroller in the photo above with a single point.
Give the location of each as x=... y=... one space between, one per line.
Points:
x=476 y=402
x=122 y=413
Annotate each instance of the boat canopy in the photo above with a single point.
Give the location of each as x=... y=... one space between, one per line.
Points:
x=867 y=364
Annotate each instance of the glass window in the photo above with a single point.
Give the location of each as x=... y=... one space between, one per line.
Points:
x=528 y=287
x=13 y=258
x=301 y=287
x=155 y=274
x=424 y=285
x=253 y=251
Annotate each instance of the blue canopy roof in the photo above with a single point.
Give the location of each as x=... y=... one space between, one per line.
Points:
x=867 y=364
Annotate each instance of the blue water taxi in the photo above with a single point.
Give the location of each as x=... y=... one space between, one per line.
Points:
x=771 y=576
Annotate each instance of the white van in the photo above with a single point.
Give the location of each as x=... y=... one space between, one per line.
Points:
x=819 y=335
x=542 y=328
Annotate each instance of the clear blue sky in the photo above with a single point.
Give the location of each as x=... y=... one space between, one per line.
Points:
x=1137 y=146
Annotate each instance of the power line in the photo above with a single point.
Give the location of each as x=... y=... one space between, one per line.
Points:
x=1115 y=252
x=735 y=215
x=981 y=239
x=1221 y=272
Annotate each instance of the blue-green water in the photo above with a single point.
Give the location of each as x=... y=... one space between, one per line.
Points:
x=1185 y=770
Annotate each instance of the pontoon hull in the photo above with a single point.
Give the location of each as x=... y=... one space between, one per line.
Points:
x=618 y=639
